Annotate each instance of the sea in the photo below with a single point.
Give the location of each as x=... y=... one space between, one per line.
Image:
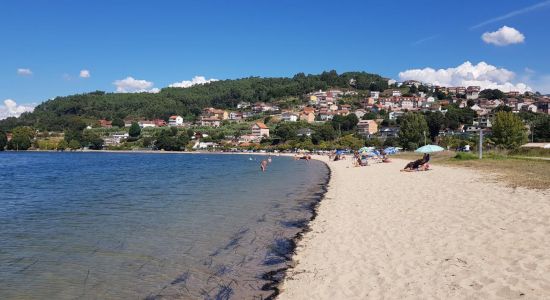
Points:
x=91 y=225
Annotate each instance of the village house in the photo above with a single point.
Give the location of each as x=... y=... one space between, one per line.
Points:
x=375 y=94
x=304 y=132
x=249 y=138
x=307 y=116
x=367 y=127
x=360 y=113
x=115 y=139
x=243 y=105
x=388 y=132
x=147 y=124
x=396 y=93
x=175 y=121
x=289 y=116
x=472 y=92
x=395 y=114
x=543 y=106
x=105 y=124
x=210 y=122
x=211 y=112
x=264 y=107
x=235 y=116
x=259 y=129
x=368 y=102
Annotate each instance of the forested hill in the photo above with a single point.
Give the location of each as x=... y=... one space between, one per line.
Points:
x=58 y=113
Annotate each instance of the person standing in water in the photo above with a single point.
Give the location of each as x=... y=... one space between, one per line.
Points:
x=269 y=159
x=263 y=165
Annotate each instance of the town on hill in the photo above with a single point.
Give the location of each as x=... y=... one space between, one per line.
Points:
x=312 y=112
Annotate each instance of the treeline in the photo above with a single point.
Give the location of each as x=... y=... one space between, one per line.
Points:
x=56 y=114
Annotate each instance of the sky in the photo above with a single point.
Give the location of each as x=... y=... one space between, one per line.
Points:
x=56 y=48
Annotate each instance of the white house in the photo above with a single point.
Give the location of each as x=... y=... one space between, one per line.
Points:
x=289 y=117
x=396 y=93
x=175 y=121
x=375 y=94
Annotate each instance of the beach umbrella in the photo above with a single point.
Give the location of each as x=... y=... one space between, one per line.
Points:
x=391 y=150
x=366 y=149
x=429 y=149
x=338 y=152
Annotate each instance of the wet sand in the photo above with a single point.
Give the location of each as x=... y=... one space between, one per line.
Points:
x=449 y=233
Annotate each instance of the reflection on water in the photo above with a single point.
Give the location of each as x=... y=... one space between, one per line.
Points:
x=120 y=226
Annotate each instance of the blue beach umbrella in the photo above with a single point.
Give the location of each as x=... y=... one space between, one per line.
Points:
x=429 y=149
x=391 y=150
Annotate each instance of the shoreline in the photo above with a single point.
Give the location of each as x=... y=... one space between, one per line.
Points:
x=277 y=277
x=446 y=233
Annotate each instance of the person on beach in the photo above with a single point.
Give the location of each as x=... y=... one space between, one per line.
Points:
x=263 y=165
x=269 y=159
x=418 y=165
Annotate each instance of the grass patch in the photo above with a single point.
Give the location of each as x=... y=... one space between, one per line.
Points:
x=515 y=172
x=464 y=156
x=531 y=152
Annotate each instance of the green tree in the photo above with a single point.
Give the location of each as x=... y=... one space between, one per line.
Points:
x=412 y=130
x=286 y=131
x=350 y=142
x=118 y=122
x=324 y=132
x=134 y=130
x=74 y=145
x=3 y=140
x=491 y=94
x=346 y=123
x=92 y=140
x=436 y=122
x=508 y=130
x=21 y=138
x=62 y=145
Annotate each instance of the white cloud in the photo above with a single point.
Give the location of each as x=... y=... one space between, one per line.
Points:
x=484 y=75
x=84 y=74
x=24 y=72
x=12 y=109
x=132 y=85
x=503 y=37
x=196 y=80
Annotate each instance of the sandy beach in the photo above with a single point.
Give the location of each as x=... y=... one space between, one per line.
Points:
x=449 y=233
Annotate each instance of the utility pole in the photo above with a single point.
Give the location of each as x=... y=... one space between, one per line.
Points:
x=424 y=138
x=480 y=143
x=532 y=132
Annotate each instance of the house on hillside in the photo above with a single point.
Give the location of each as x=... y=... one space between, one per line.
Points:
x=304 y=132
x=105 y=124
x=210 y=122
x=289 y=116
x=243 y=105
x=175 y=121
x=307 y=116
x=367 y=127
x=211 y=112
x=472 y=92
x=259 y=129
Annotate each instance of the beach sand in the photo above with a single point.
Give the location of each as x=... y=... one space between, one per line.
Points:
x=448 y=233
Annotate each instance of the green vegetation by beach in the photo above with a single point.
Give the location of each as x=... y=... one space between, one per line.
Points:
x=529 y=168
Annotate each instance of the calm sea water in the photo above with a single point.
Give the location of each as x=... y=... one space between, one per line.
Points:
x=157 y=226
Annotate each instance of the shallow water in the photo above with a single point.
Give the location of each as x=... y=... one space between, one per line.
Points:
x=135 y=226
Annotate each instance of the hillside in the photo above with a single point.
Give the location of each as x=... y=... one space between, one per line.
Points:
x=60 y=112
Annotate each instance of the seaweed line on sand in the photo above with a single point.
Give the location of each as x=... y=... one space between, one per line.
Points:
x=276 y=277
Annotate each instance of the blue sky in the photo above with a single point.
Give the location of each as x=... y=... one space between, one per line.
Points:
x=162 y=42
